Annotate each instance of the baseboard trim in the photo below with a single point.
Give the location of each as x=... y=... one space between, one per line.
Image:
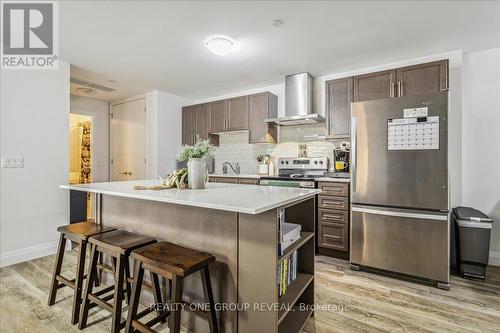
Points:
x=494 y=258
x=28 y=253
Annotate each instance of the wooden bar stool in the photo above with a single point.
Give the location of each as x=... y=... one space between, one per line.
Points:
x=117 y=244
x=173 y=262
x=79 y=233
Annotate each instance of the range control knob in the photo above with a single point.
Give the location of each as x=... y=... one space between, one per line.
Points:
x=320 y=162
x=286 y=162
x=282 y=162
x=315 y=162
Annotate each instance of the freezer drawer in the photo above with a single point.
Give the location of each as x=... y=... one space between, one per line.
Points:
x=403 y=241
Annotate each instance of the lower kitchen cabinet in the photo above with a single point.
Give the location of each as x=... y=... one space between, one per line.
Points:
x=333 y=223
x=333 y=236
x=233 y=180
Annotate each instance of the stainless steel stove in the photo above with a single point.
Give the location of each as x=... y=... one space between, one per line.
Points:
x=297 y=172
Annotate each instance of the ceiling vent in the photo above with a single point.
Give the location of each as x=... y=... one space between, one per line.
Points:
x=91 y=85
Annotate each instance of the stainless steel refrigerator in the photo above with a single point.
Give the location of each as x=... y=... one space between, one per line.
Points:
x=399 y=185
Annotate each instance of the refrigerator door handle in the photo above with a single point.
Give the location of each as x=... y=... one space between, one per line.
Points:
x=399 y=213
x=354 y=139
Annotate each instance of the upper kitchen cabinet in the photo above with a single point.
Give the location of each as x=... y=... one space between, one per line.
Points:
x=339 y=95
x=218 y=116
x=372 y=86
x=422 y=79
x=202 y=121
x=261 y=107
x=188 y=125
x=195 y=122
x=237 y=118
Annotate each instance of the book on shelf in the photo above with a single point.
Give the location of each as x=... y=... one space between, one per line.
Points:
x=287 y=272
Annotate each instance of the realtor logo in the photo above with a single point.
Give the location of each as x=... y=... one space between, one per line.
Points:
x=29 y=35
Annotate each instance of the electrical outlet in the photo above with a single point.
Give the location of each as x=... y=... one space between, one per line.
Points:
x=12 y=162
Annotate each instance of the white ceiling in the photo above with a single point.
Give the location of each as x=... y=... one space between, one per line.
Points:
x=146 y=45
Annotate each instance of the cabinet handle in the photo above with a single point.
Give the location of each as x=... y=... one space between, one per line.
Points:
x=334 y=237
x=400 y=89
x=391 y=90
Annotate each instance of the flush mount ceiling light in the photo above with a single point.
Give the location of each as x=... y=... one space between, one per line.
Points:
x=220 y=45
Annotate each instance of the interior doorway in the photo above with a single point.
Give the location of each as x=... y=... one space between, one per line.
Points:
x=128 y=140
x=81 y=160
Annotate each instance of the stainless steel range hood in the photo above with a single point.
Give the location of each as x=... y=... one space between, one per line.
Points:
x=299 y=95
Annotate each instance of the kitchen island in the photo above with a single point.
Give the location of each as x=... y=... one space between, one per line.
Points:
x=239 y=225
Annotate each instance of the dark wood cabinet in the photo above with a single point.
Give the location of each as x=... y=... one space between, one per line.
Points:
x=339 y=96
x=188 y=125
x=372 y=86
x=233 y=114
x=422 y=79
x=202 y=121
x=218 y=116
x=237 y=115
x=333 y=219
x=262 y=106
x=233 y=180
x=196 y=122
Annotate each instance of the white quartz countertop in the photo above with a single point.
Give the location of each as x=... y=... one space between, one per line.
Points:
x=333 y=179
x=233 y=175
x=249 y=199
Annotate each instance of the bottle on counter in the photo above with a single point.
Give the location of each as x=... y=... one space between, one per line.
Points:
x=271 y=168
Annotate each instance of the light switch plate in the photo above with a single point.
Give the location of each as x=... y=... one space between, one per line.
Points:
x=12 y=162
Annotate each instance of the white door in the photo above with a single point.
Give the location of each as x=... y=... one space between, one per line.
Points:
x=128 y=140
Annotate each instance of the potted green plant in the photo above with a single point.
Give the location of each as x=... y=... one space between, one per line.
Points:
x=195 y=156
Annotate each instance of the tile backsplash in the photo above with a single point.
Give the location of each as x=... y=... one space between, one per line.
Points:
x=234 y=147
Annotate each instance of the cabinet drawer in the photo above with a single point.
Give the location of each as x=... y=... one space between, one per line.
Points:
x=228 y=180
x=331 y=202
x=332 y=188
x=334 y=236
x=333 y=216
x=248 y=181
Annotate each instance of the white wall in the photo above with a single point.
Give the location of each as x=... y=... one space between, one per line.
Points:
x=34 y=124
x=481 y=138
x=99 y=111
x=169 y=130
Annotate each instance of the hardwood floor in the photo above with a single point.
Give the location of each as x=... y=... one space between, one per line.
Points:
x=374 y=303
x=356 y=301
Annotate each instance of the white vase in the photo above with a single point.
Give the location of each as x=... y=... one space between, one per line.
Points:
x=197 y=170
x=263 y=169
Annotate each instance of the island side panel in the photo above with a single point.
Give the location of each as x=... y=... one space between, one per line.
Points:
x=258 y=241
x=214 y=231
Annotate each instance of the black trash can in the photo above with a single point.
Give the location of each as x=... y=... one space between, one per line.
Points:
x=472 y=241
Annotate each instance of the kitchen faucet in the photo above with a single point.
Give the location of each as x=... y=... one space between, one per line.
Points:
x=235 y=170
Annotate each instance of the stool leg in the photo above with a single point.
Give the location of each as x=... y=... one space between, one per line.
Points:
x=89 y=284
x=57 y=270
x=118 y=299
x=98 y=277
x=209 y=297
x=77 y=294
x=127 y=283
x=136 y=294
x=155 y=282
x=176 y=306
